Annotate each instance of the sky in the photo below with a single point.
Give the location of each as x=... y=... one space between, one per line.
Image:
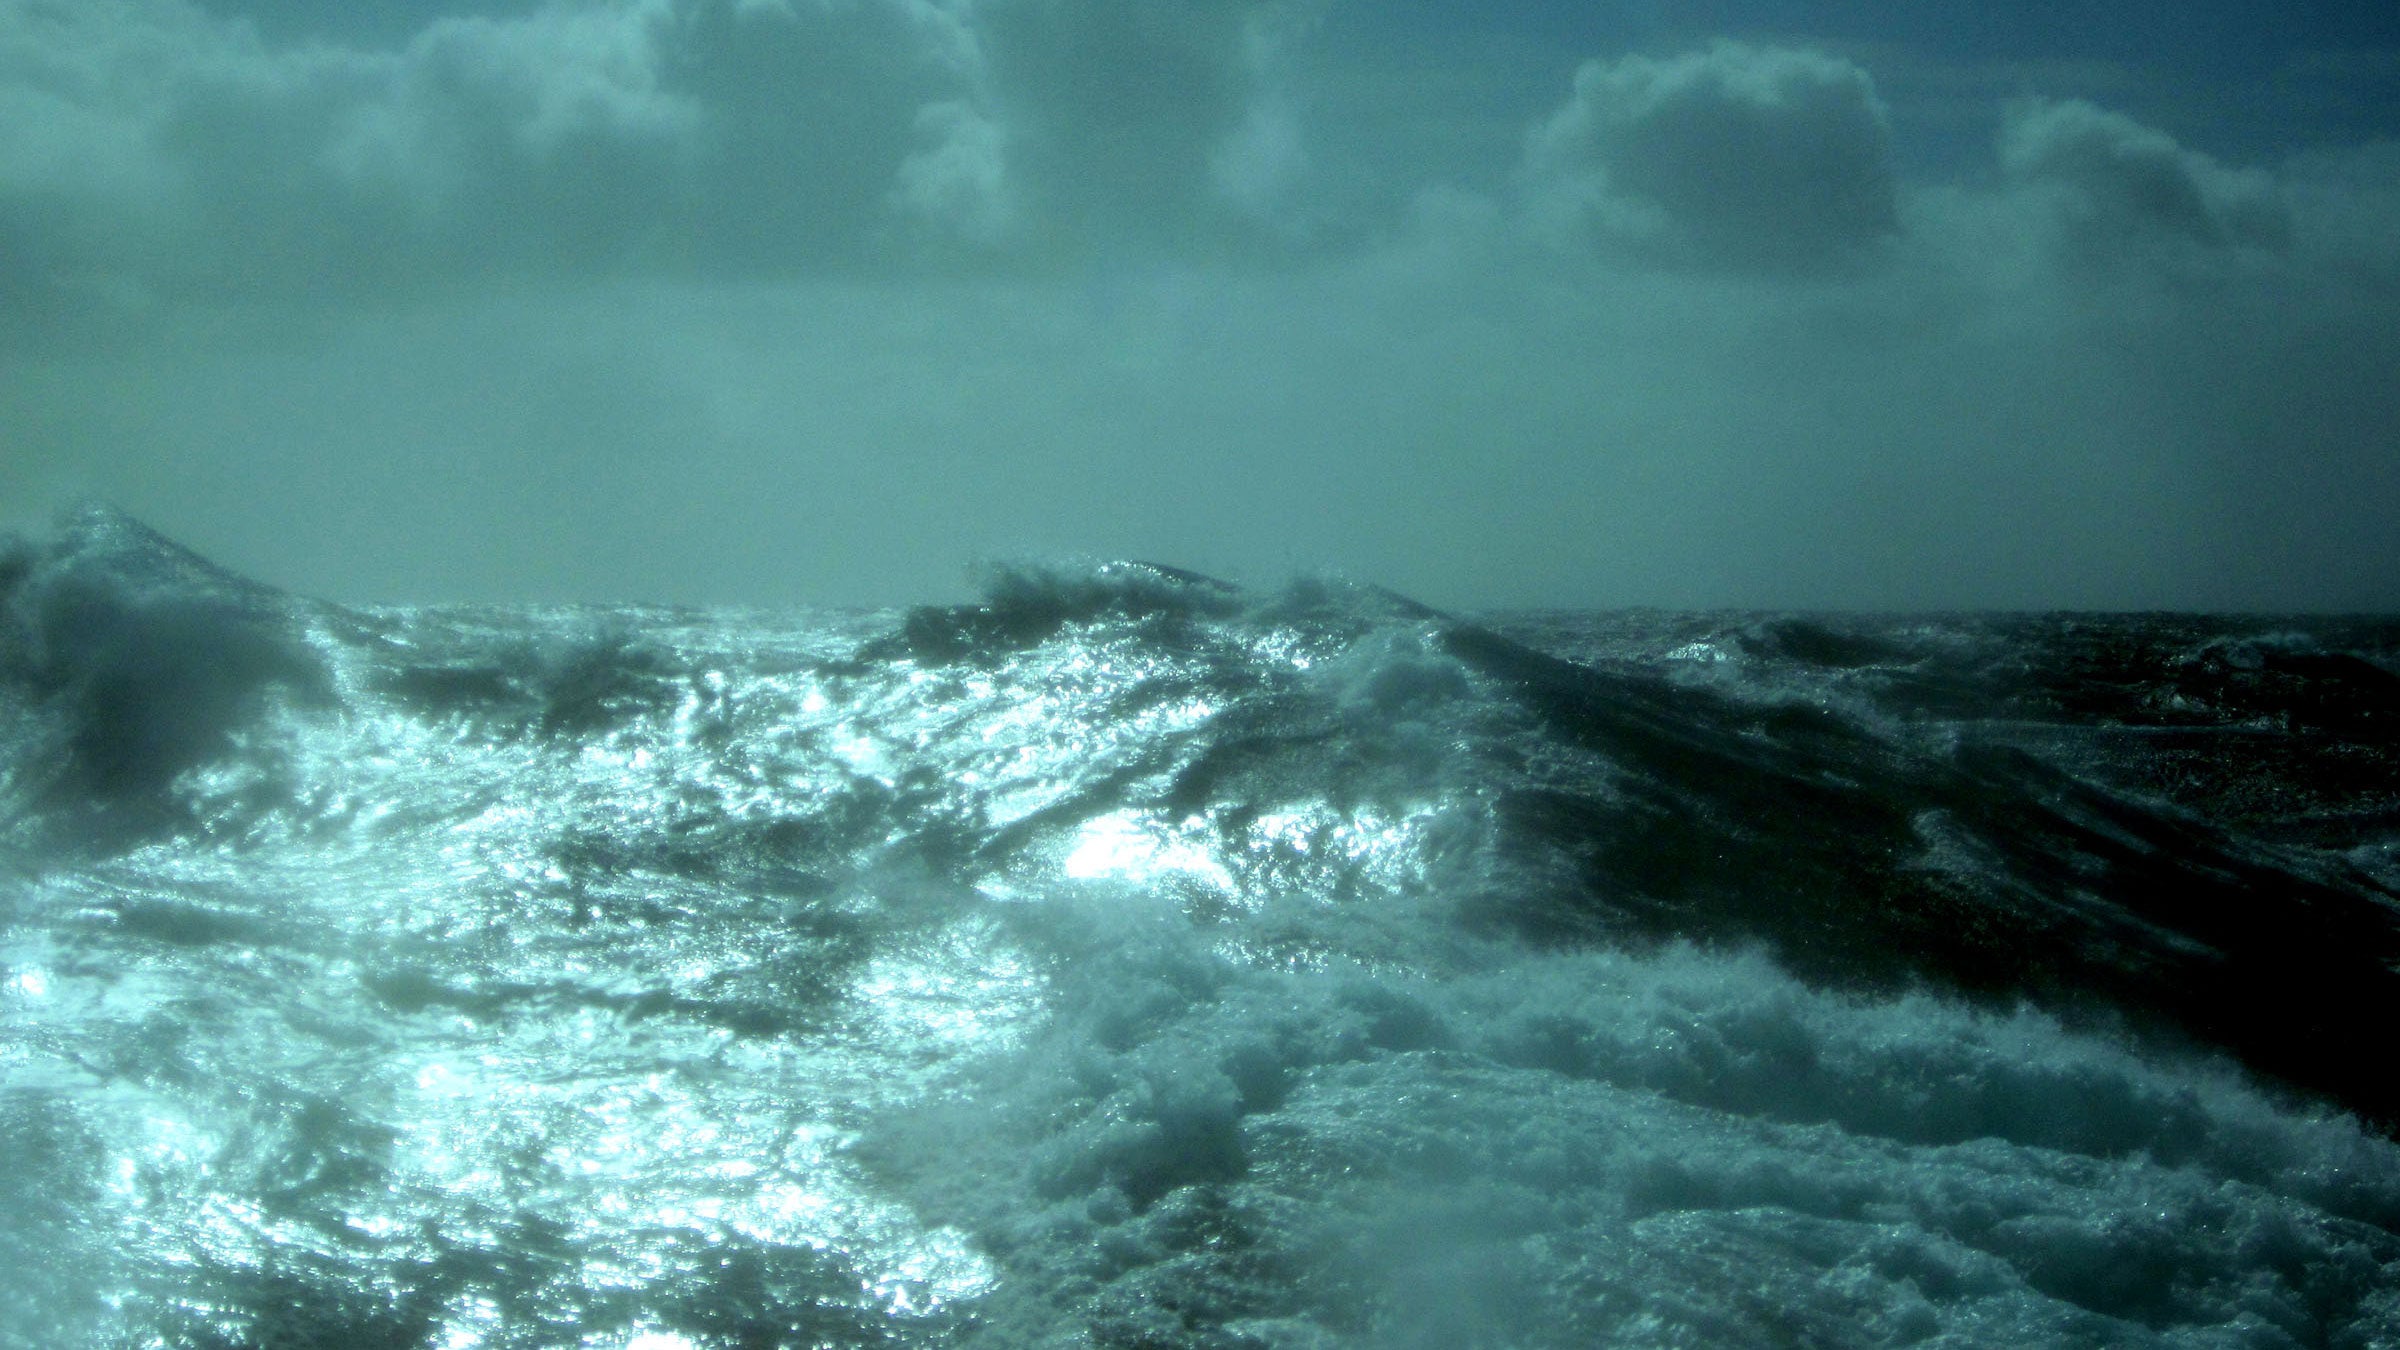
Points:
x=1749 y=303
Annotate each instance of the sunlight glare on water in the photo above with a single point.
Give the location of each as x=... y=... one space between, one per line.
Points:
x=1147 y=970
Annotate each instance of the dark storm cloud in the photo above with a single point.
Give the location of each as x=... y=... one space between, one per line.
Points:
x=1742 y=157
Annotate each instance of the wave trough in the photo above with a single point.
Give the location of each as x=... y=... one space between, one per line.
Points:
x=1133 y=960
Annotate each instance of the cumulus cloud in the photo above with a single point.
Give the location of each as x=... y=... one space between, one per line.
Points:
x=1738 y=157
x=813 y=298
x=2115 y=188
x=235 y=169
x=1162 y=116
x=812 y=112
x=151 y=152
x=958 y=183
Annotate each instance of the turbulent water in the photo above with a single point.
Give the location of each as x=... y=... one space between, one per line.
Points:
x=1130 y=960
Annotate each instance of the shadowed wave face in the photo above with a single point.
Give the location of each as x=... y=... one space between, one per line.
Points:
x=1130 y=959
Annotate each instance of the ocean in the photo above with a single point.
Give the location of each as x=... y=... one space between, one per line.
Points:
x=1134 y=960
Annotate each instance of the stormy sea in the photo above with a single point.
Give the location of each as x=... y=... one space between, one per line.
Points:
x=1134 y=960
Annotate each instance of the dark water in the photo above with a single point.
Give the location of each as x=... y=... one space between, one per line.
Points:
x=1134 y=961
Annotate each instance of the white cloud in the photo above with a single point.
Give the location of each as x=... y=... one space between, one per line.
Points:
x=1738 y=157
x=1160 y=121
x=560 y=74
x=2115 y=188
x=72 y=80
x=1253 y=166
x=996 y=269
x=959 y=183
x=229 y=168
x=149 y=149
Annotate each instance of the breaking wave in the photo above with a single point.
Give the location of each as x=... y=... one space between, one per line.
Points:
x=1134 y=960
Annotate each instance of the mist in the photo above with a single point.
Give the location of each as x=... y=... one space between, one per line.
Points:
x=732 y=301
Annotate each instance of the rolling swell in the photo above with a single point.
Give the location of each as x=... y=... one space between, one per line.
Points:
x=1129 y=959
x=1863 y=854
x=1861 y=858
x=1624 y=805
x=131 y=661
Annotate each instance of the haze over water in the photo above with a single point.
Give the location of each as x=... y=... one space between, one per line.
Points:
x=765 y=301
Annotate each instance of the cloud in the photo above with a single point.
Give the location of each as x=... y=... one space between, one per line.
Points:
x=151 y=153
x=177 y=157
x=2115 y=189
x=775 y=299
x=958 y=184
x=1740 y=158
x=1157 y=119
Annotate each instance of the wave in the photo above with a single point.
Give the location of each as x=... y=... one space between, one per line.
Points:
x=1131 y=958
x=129 y=661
